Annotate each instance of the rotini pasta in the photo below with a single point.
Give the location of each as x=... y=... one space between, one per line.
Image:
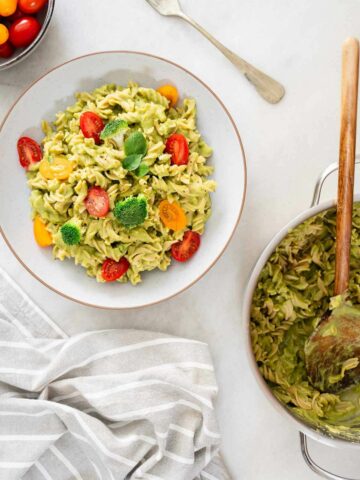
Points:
x=293 y=290
x=84 y=163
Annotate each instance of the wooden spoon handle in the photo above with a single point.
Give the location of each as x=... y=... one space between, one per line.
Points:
x=349 y=94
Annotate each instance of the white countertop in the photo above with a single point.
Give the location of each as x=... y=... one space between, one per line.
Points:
x=286 y=145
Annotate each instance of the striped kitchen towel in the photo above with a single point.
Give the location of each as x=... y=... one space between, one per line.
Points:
x=102 y=405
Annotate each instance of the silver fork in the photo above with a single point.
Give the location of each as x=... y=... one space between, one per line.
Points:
x=271 y=90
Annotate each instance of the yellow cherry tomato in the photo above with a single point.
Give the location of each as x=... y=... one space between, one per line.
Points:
x=7 y=7
x=172 y=215
x=170 y=92
x=58 y=167
x=4 y=34
x=41 y=233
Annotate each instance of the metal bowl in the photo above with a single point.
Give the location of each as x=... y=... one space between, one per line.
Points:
x=306 y=429
x=303 y=425
x=21 y=53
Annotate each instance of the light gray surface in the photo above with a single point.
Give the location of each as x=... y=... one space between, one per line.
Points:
x=286 y=146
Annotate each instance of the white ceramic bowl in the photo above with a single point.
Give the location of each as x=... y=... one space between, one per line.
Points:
x=53 y=92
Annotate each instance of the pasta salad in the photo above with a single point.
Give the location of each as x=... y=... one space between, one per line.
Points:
x=121 y=184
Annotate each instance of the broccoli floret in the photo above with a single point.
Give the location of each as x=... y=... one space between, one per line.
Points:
x=114 y=131
x=132 y=211
x=70 y=232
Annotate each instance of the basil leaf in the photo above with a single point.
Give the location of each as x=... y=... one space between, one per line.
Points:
x=132 y=162
x=135 y=144
x=142 y=170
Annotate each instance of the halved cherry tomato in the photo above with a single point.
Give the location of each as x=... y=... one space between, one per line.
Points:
x=178 y=146
x=97 y=202
x=41 y=233
x=91 y=125
x=170 y=92
x=7 y=7
x=31 y=6
x=185 y=249
x=58 y=167
x=6 y=50
x=112 y=270
x=29 y=151
x=4 y=34
x=172 y=215
x=23 y=31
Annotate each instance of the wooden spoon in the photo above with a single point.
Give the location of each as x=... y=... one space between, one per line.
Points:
x=332 y=353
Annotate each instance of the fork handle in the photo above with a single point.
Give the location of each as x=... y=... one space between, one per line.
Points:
x=271 y=90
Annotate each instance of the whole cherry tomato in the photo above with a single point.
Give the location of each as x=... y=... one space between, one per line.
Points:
x=7 y=7
x=23 y=31
x=4 y=34
x=31 y=6
x=6 y=50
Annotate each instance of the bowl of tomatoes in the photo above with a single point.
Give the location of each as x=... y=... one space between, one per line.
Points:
x=23 y=24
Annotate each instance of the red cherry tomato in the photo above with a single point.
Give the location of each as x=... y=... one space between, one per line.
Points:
x=31 y=6
x=185 y=249
x=29 y=151
x=6 y=50
x=91 y=125
x=24 y=31
x=177 y=145
x=97 y=202
x=112 y=270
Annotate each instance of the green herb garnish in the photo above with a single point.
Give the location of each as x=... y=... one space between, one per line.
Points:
x=132 y=162
x=142 y=170
x=135 y=148
x=135 y=144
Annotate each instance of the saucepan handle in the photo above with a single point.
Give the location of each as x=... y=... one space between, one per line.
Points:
x=314 y=466
x=321 y=180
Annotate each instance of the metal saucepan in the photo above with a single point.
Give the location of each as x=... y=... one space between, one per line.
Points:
x=305 y=429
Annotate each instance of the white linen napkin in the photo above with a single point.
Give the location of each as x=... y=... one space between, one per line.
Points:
x=102 y=405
